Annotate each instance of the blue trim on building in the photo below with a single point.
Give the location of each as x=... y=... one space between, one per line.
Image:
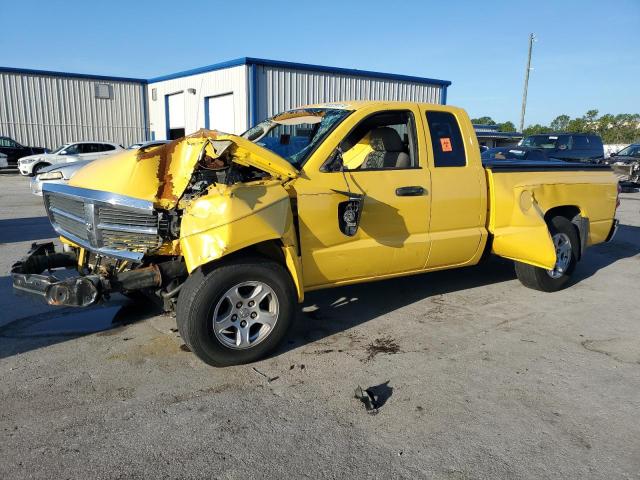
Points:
x=194 y=71
x=50 y=73
x=166 y=118
x=234 y=63
x=253 y=94
x=206 y=112
x=443 y=95
x=346 y=71
x=299 y=66
x=145 y=112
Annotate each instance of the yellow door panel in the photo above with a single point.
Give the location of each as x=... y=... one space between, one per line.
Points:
x=459 y=198
x=392 y=236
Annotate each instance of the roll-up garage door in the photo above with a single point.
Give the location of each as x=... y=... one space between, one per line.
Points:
x=219 y=113
x=175 y=116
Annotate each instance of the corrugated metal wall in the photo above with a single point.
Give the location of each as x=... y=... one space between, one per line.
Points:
x=208 y=84
x=282 y=88
x=47 y=111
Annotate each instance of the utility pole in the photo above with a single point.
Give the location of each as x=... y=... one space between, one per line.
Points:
x=532 y=37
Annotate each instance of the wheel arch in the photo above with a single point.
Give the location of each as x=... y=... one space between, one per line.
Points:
x=35 y=167
x=274 y=250
x=574 y=214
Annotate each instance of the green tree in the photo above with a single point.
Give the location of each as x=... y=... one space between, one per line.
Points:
x=622 y=128
x=483 y=121
x=536 y=129
x=591 y=115
x=506 y=127
x=560 y=123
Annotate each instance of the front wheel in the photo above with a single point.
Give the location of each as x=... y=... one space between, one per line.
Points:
x=38 y=168
x=566 y=242
x=236 y=313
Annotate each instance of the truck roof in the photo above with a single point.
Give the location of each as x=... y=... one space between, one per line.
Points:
x=358 y=104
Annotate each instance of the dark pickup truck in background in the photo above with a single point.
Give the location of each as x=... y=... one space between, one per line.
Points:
x=14 y=151
x=573 y=147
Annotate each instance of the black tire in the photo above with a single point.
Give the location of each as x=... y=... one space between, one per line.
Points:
x=539 y=278
x=37 y=168
x=204 y=289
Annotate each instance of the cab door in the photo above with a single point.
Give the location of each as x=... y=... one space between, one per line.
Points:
x=458 y=184
x=385 y=161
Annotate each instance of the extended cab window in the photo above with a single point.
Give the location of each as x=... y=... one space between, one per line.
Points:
x=382 y=141
x=448 y=148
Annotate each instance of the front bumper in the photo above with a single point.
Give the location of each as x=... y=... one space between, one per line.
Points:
x=83 y=290
x=28 y=278
x=25 y=169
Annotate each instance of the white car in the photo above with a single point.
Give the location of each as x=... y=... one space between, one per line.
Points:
x=4 y=163
x=67 y=153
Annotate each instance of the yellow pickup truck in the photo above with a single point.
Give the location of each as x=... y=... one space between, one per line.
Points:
x=233 y=230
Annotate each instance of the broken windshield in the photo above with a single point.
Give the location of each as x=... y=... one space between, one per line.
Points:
x=295 y=134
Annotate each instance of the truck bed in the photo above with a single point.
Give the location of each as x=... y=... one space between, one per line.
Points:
x=523 y=195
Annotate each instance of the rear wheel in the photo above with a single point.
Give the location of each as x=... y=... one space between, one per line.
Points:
x=566 y=242
x=236 y=313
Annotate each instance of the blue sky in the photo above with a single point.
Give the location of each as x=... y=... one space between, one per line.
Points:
x=587 y=55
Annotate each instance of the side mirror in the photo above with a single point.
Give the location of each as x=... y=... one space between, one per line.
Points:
x=350 y=212
x=335 y=162
x=613 y=154
x=63 y=152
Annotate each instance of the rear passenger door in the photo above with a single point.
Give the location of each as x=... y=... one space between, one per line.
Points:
x=458 y=186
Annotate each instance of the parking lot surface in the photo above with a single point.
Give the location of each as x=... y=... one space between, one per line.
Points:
x=481 y=377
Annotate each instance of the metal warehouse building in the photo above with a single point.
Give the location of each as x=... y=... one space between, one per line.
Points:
x=47 y=109
x=41 y=108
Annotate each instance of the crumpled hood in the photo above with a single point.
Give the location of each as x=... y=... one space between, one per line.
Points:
x=161 y=174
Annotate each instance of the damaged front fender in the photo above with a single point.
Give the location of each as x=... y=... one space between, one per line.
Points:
x=230 y=218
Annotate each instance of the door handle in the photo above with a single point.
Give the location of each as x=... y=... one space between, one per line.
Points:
x=410 y=191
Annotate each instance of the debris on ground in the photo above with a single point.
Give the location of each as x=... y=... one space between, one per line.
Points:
x=381 y=345
x=184 y=348
x=269 y=379
x=374 y=397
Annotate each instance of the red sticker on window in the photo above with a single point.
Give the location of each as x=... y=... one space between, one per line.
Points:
x=445 y=143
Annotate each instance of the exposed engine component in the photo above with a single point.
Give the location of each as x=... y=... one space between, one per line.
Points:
x=215 y=166
x=169 y=224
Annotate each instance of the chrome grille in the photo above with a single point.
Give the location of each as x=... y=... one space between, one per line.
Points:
x=129 y=241
x=75 y=207
x=114 y=216
x=79 y=229
x=114 y=225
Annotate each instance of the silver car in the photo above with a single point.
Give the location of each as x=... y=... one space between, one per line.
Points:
x=63 y=173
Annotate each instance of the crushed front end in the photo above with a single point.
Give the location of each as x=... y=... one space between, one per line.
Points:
x=112 y=240
x=121 y=219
